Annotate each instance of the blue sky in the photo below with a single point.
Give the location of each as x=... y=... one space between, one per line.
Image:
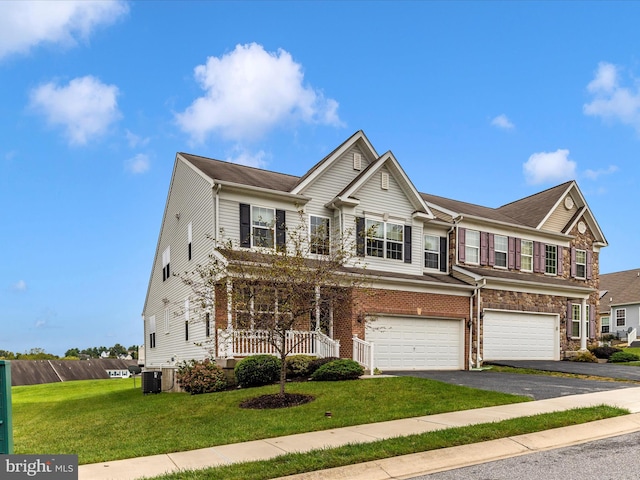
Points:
x=479 y=101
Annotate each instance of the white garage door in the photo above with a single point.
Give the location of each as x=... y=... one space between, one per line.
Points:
x=520 y=336
x=402 y=343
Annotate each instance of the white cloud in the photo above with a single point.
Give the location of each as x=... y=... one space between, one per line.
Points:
x=136 y=140
x=610 y=100
x=19 y=286
x=138 y=164
x=502 y=121
x=25 y=24
x=85 y=107
x=547 y=167
x=242 y=156
x=594 y=174
x=250 y=91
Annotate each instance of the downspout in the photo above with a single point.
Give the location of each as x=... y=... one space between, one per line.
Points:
x=471 y=363
x=479 y=320
x=216 y=219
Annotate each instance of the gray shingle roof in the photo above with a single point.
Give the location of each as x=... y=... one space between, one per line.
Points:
x=531 y=210
x=621 y=287
x=241 y=174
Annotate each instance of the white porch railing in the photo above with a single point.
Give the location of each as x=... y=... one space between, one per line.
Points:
x=632 y=336
x=244 y=343
x=363 y=353
x=325 y=346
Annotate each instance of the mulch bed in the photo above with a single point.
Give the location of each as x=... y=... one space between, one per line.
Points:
x=277 y=400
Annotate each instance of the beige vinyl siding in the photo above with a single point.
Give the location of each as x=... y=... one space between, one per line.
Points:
x=333 y=181
x=229 y=212
x=190 y=196
x=376 y=202
x=558 y=220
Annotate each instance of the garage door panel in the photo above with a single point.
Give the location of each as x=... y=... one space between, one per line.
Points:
x=417 y=343
x=520 y=336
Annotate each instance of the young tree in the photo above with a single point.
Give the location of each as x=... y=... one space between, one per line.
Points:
x=277 y=292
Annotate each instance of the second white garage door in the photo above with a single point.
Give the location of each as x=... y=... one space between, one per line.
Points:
x=405 y=343
x=520 y=336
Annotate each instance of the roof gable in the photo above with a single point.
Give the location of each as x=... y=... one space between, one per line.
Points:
x=389 y=161
x=323 y=165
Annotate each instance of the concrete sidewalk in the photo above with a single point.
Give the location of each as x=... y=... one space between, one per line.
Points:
x=397 y=467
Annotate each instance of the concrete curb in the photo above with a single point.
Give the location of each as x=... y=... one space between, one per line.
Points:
x=434 y=461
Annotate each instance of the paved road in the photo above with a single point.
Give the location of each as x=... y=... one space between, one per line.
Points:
x=538 y=387
x=609 y=459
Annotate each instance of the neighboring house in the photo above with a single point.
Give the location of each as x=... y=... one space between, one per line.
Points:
x=450 y=284
x=620 y=304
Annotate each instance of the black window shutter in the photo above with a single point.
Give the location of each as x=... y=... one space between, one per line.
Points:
x=407 y=244
x=360 y=236
x=245 y=225
x=281 y=228
x=443 y=254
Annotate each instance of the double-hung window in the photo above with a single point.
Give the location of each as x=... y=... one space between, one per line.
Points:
x=472 y=247
x=551 y=259
x=581 y=263
x=263 y=226
x=621 y=317
x=501 y=247
x=385 y=240
x=189 y=240
x=526 y=255
x=575 y=320
x=606 y=322
x=319 y=235
x=431 y=251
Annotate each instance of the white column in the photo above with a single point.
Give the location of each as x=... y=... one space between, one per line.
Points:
x=584 y=326
x=317 y=292
x=229 y=304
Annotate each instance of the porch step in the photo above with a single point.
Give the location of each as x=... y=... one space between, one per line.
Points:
x=635 y=344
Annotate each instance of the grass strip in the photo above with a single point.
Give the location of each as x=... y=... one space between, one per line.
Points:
x=295 y=463
x=531 y=371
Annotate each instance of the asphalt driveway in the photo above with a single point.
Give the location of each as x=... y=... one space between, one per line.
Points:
x=537 y=387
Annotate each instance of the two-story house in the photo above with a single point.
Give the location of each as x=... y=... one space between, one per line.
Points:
x=449 y=284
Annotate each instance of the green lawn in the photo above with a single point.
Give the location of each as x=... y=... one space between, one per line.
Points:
x=295 y=463
x=104 y=420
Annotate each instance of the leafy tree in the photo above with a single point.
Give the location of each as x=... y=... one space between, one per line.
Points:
x=7 y=355
x=36 y=354
x=278 y=292
x=72 y=352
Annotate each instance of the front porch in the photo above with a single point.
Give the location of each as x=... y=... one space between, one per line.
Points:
x=243 y=343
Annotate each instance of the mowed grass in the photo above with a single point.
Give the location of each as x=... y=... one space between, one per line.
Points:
x=295 y=463
x=102 y=420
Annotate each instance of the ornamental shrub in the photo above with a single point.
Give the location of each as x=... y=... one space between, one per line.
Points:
x=605 y=351
x=258 y=370
x=201 y=377
x=585 y=356
x=622 y=357
x=342 y=369
x=318 y=362
x=298 y=366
